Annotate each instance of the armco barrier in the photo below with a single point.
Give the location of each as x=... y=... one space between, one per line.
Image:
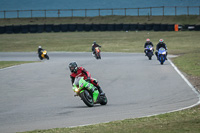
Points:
x=35 y=29
x=2 y=29
x=88 y=27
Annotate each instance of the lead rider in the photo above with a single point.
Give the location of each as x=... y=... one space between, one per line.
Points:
x=81 y=72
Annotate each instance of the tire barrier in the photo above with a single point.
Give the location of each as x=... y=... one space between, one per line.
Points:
x=141 y=27
x=56 y=28
x=80 y=27
x=110 y=27
x=118 y=27
x=170 y=27
x=126 y=27
x=40 y=28
x=103 y=27
x=2 y=29
x=92 y=27
x=148 y=27
x=72 y=27
x=88 y=27
x=64 y=27
x=9 y=29
x=133 y=27
x=34 y=29
x=49 y=27
x=156 y=27
x=95 y=27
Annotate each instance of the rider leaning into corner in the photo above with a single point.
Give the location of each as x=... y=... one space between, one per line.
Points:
x=39 y=51
x=81 y=72
x=148 y=42
x=159 y=45
x=94 y=45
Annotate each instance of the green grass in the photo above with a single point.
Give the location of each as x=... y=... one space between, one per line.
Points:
x=186 y=121
x=183 y=19
x=4 y=64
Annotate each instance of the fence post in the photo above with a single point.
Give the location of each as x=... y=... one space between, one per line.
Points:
x=150 y=11
x=17 y=13
x=31 y=14
x=4 y=14
x=45 y=13
x=112 y=11
x=125 y=11
x=188 y=10
x=72 y=13
x=175 y=10
x=85 y=12
x=58 y=13
x=99 y=13
x=163 y=11
x=138 y=12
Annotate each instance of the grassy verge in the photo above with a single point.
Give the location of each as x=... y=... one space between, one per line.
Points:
x=4 y=64
x=186 y=121
x=184 y=19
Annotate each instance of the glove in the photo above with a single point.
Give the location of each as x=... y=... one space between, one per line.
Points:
x=88 y=80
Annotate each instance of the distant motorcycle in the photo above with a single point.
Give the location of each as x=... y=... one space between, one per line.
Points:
x=162 y=55
x=44 y=55
x=149 y=51
x=86 y=95
x=97 y=53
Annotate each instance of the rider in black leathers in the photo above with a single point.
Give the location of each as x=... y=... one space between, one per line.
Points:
x=94 y=45
x=159 y=45
x=148 y=42
x=39 y=51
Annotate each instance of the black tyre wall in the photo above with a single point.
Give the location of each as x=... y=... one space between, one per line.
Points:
x=24 y=28
x=9 y=29
x=35 y=29
x=88 y=27
x=72 y=27
x=2 y=29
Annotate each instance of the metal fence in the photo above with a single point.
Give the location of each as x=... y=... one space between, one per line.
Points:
x=145 y=11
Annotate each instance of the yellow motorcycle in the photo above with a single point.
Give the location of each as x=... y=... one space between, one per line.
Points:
x=44 y=55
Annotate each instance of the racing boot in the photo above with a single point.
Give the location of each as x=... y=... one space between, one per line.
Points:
x=100 y=91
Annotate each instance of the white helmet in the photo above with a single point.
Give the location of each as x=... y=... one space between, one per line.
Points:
x=39 y=46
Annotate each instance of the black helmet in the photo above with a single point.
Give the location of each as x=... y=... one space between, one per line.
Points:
x=94 y=42
x=73 y=66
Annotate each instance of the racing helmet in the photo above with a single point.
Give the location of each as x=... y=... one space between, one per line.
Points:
x=94 y=42
x=161 y=40
x=73 y=66
x=39 y=46
x=148 y=40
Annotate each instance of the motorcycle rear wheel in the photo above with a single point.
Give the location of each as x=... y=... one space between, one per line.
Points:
x=87 y=98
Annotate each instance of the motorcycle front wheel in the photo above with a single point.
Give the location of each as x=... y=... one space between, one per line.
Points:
x=87 y=98
x=104 y=100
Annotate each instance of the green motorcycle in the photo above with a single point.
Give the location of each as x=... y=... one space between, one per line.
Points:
x=88 y=92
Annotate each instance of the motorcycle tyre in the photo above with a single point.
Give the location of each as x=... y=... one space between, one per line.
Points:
x=47 y=57
x=85 y=99
x=104 y=100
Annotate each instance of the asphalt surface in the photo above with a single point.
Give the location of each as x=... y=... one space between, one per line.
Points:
x=39 y=95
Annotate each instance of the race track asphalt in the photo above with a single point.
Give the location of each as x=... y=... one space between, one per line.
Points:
x=39 y=95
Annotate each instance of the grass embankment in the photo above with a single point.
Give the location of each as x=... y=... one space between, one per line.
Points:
x=185 y=44
x=184 y=19
x=4 y=64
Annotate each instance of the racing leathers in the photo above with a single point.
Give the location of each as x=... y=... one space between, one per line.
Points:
x=158 y=46
x=145 y=45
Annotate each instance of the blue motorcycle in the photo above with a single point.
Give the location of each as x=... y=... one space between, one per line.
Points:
x=149 y=51
x=162 y=55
